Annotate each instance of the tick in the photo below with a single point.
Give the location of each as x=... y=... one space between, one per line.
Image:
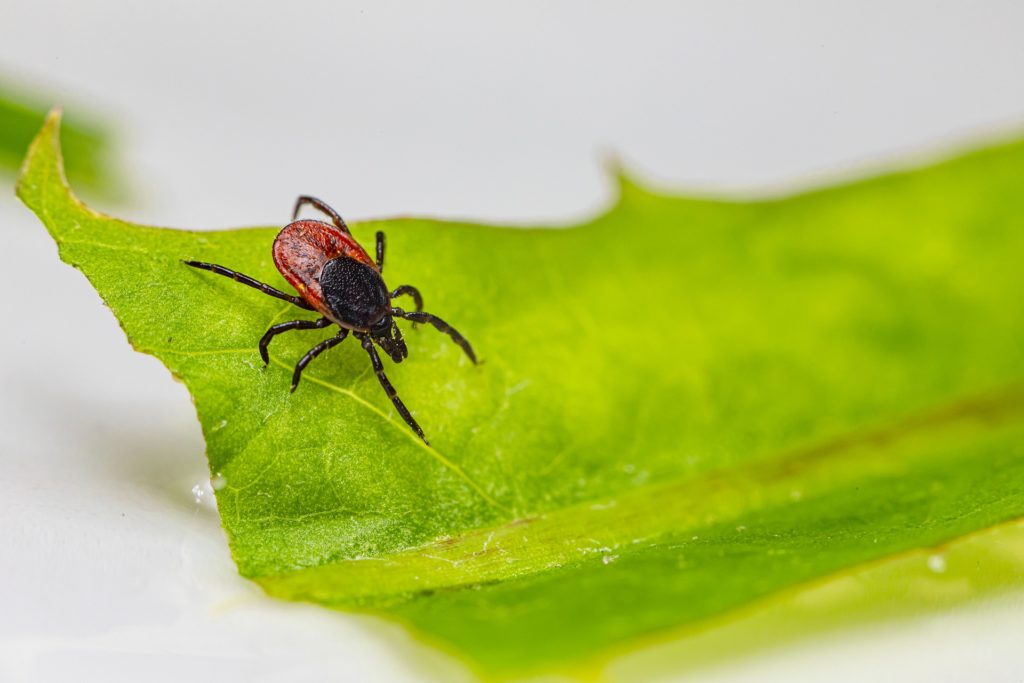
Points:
x=336 y=278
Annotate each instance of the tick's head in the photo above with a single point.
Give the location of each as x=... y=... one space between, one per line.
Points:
x=388 y=337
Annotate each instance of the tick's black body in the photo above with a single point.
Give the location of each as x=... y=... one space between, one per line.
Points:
x=336 y=277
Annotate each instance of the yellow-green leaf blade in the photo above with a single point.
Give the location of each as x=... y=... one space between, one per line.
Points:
x=684 y=405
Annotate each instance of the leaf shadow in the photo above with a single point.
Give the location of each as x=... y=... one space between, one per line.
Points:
x=916 y=587
x=136 y=447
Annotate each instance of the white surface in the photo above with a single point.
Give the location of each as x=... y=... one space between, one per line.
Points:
x=108 y=569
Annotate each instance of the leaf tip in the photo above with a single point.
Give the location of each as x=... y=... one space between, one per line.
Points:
x=44 y=157
x=612 y=164
x=623 y=180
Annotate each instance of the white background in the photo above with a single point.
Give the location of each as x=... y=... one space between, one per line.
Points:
x=109 y=570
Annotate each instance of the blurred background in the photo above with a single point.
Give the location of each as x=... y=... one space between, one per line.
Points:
x=219 y=114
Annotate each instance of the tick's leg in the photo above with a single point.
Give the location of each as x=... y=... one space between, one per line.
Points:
x=246 y=280
x=314 y=352
x=322 y=205
x=284 y=327
x=380 y=251
x=442 y=326
x=378 y=368
x=414 y=293
x=411 y=291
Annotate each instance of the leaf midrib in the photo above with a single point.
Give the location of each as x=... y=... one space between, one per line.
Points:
x=559 y=538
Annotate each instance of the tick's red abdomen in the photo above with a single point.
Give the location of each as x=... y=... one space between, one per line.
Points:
x=302 y=248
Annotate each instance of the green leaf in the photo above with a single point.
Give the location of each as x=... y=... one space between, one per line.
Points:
x=685 y=404
x=85 y=142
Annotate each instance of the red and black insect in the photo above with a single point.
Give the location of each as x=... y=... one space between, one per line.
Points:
x=337 y=278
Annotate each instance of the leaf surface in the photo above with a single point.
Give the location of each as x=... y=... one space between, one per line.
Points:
x=685 y=404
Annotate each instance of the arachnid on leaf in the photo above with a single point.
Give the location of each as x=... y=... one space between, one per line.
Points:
x=337 y=278
x=689 y=406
